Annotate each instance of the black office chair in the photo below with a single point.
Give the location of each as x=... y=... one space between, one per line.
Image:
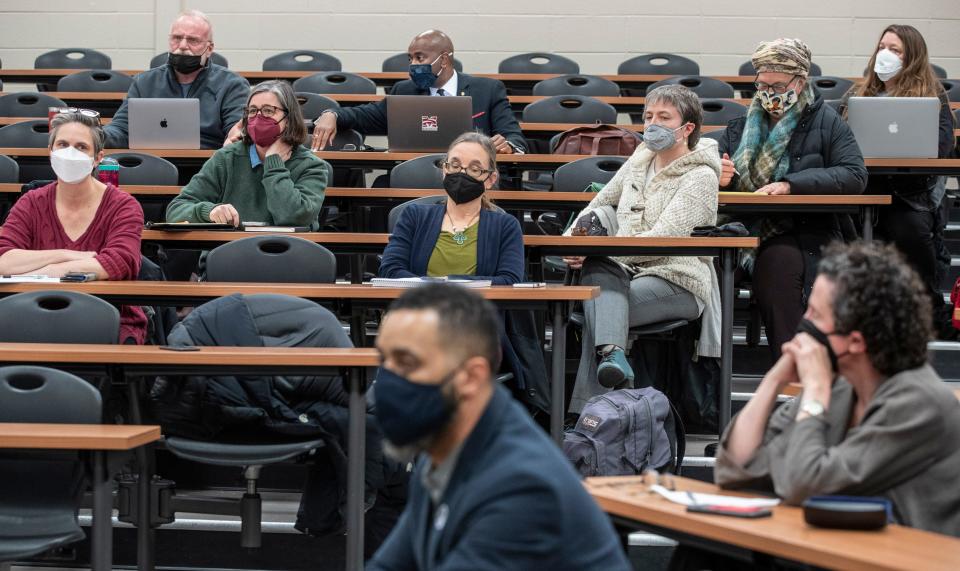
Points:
x=747 y=69
x=570 y=109
x=302 y=60
x=40 y=490
x=335 y=82
x=536 y=62
x=655 y=64
x=145 y=169
x=70 y=58
x=279 y=259
x=57 y=317
x=939 y=71
x=32 y=134
x=401 y=63
x=831 y=87
x=701 y=85
x=394 y=216
x=421 y=172
x=28 y=104
x=313 y=104
x=590 y=85
x=161 y=59
x=721 y=111
x=9 y=169
x=97 y=80
x=952 y=87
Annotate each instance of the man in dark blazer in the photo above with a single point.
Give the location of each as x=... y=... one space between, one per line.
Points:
x=489 y=489
x=491 y=109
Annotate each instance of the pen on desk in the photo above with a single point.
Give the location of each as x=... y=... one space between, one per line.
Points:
x=693 y=500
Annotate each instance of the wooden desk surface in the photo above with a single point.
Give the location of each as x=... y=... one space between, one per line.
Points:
x=168 y=289
x=207 y=356
x=785 y=534
x=76 y=436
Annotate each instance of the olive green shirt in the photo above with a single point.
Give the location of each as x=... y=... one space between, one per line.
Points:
x=452 y=259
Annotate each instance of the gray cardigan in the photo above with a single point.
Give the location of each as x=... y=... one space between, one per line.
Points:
x=222 y=94
x=907 y=449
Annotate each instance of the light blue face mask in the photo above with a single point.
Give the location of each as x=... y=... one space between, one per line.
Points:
x=658 y=138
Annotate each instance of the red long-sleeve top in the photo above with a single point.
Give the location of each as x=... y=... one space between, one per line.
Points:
x=114 y=234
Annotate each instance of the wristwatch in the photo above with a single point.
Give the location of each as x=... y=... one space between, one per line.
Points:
x=812 y=408
x=315 y=121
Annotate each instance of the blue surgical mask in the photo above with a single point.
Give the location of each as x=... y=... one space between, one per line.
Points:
x=422 y=73
x=409 y=411
x=658 y=138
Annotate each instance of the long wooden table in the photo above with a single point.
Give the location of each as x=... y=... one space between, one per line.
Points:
x=784 y=535
x=132 y=360
x=101 y=441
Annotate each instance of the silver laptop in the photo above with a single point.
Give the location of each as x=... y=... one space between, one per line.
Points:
x=421 y=123
x=895 y=127
x=163 y=123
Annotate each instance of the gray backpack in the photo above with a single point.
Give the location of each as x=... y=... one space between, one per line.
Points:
x=624 y=432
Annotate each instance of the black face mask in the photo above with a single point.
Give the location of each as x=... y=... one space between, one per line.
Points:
x=185 y=63
x=462 y=188
x=807 y=326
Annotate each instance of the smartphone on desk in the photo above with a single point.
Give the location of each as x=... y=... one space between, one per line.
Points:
x=78 y=277
x=732 y=511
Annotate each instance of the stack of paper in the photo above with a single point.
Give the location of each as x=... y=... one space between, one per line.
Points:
x=27 y=278
x=699 y=498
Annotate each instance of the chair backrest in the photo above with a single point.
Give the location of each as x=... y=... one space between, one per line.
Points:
x=577 y=175
x=721 y=111
x=302 y=60
x=313 y=104
x=28 y=104
x=659 y=64
x=831 y=87
x=40 y=394
x=335 y=82
x=421 y=172
x=569 y=109
x=939 y=71
x=34 y=134
x=9 y=169
x=401 y=62
x=271 y=258
x=161 y=59
x=952 y=87
x=394 y=215
x=699 y=84
x=746 y=68
x=538 y=62
x=73 y=58
x=141 y=168
x=95 y=80
x=58 y=317
x=575 y=84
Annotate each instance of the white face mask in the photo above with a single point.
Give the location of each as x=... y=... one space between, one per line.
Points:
x=887 y=65
x=71 y=165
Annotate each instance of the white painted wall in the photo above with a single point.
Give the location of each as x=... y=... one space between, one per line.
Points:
x=719 y=34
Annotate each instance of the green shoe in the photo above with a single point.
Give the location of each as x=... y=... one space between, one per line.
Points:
x=614 y=370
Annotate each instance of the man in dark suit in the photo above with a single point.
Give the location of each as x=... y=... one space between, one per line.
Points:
x=432 y=73
x=489 y=489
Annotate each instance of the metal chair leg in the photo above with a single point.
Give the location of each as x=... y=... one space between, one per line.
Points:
x=250 y=510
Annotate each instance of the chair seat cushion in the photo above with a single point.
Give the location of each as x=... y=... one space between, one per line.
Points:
x=233 y=454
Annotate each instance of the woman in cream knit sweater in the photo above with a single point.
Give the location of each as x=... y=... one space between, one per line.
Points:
x=668 y=187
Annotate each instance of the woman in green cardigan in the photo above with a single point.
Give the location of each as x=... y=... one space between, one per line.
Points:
x=267 y=177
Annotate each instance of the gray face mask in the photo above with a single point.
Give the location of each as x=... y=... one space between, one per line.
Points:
x=658 y=138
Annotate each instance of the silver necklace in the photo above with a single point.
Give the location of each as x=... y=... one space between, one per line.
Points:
x=460 y=236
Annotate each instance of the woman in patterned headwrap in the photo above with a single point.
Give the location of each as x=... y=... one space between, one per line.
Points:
x=790 y=142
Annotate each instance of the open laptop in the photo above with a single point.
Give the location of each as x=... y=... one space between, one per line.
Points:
x=895 y=127
x=163 y=123
x=421 y=123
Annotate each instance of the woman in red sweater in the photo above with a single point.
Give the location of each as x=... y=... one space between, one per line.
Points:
x=77 y=224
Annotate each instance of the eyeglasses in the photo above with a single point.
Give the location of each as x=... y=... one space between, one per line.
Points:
x=268 y=111
x=192 y=41
x=473 y=171
x=778 y=88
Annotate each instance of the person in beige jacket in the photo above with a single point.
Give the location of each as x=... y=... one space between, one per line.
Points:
x=666 y=188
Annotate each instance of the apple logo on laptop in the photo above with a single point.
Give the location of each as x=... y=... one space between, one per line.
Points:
x=893 y=128
x=163 y=123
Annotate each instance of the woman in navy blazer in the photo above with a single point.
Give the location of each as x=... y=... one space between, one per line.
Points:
x=469 y=170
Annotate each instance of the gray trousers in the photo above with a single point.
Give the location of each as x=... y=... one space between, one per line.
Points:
x=623 y=303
